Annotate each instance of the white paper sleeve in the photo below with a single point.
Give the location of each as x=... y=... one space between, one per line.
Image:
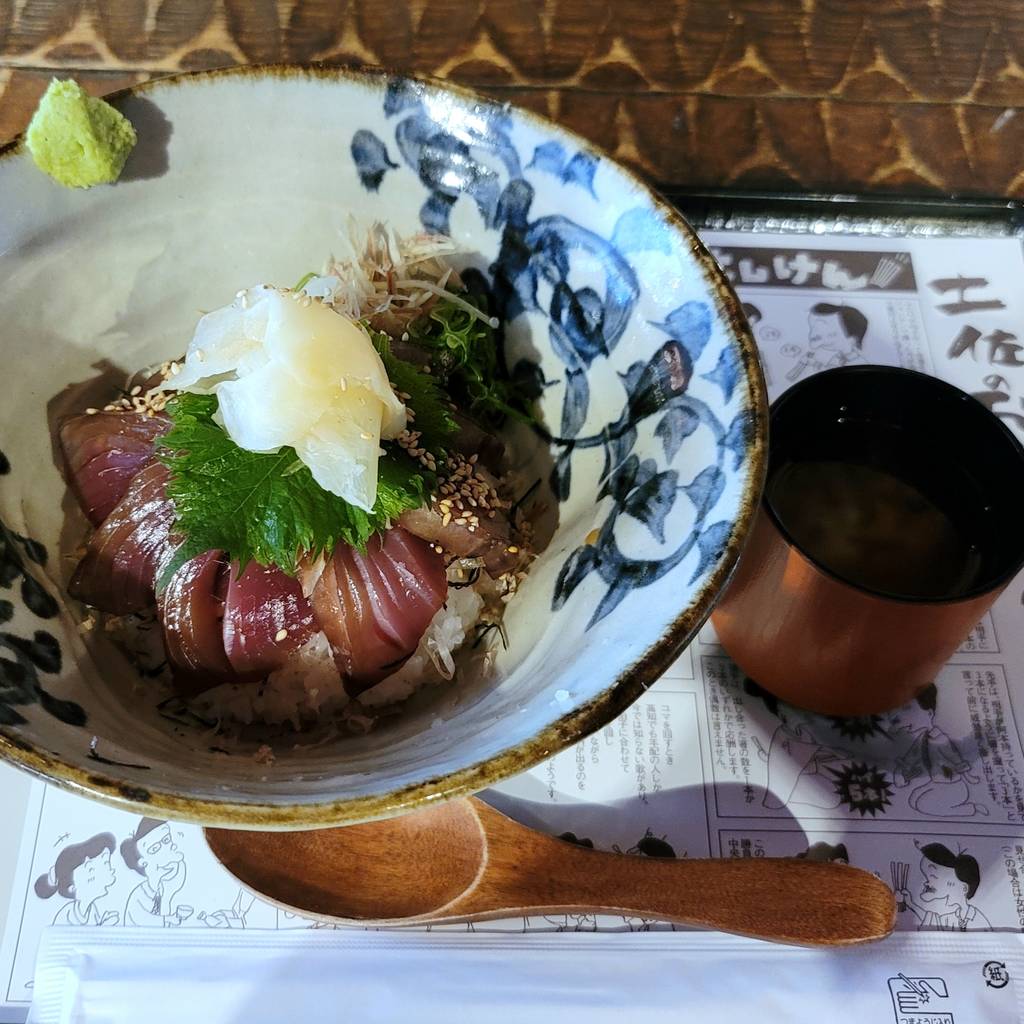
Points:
x=128 y=975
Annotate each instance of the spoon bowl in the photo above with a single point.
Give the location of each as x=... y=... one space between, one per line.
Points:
x=465 y=861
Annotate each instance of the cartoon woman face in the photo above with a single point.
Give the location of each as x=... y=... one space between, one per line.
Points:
x=93 y=878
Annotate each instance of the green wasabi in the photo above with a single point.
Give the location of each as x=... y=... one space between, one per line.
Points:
x=77 y=139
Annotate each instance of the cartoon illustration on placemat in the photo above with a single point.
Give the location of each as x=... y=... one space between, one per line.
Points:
x=570 y=922
x=151 y=852
x=949 y=882
x=289 y=919
x=235 y=917
x=951 y=754
x=650 y=845
x=819 y=761
x=641 y=924
x=934 y=765
x=795 y=758
x=826 y=853
x=941 y=883
x=571 y=837
x=862 y=788
x=753 y=315
x=83 y=875
x=835 y=337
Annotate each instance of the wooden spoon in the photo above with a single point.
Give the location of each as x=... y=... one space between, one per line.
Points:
x=465 y=861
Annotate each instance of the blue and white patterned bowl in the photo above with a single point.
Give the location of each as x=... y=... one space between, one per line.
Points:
x=650 y=386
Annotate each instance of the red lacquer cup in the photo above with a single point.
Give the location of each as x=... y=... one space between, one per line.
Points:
x=811 y=635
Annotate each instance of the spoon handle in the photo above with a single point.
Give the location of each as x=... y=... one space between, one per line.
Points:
x=784 y=900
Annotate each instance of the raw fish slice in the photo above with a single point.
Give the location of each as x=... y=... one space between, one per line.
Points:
x=489 y=541
x=145 y=380
x=125 y=553
x=473 y=439
x=261 y=604
x=375 y=606
x=192 y=611
x=103 y=452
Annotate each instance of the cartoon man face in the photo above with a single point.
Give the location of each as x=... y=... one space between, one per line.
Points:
x=826 y=331
x=159 y=853
x=942 y=888
x=912 y=718
x=93 y=878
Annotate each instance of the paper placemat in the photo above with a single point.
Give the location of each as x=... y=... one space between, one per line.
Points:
x=704 y=764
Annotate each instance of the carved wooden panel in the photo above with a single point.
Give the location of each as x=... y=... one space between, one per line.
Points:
x=915 y=95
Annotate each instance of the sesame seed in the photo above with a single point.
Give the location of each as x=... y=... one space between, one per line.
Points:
x=137 y=390
x=512 y=549
x=91 y=412
x=281 y=634
x=446 y=518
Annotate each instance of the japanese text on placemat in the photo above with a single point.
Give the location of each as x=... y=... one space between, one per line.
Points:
x=989 y=710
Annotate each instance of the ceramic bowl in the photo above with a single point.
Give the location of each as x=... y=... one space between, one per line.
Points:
x=648 y=379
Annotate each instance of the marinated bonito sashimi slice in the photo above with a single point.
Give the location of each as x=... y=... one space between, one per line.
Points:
x=125 y=553
x=374 y=606
x=103 y=452
x=474 y=439
x=192 y=612
x=489 y=540
x=266 y=618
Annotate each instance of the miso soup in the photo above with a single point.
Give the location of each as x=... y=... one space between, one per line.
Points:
x=873 y=529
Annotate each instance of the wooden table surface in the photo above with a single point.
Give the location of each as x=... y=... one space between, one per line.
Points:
x=918 y=96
